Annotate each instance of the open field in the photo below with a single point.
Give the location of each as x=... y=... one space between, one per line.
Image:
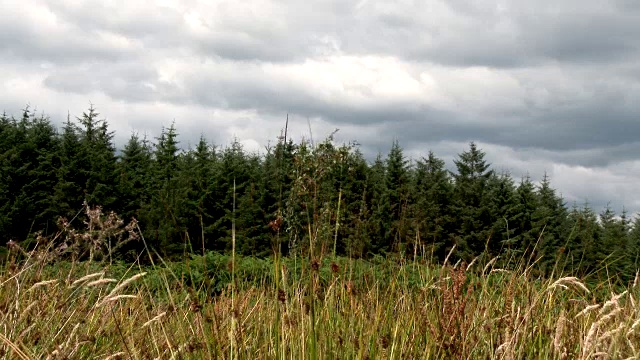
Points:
x=293 y=309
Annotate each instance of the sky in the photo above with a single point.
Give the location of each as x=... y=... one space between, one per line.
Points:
x=540 y=86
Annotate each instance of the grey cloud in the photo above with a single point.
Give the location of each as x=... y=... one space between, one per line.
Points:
x=571 y=67
x=156 y=26
x=131 y=81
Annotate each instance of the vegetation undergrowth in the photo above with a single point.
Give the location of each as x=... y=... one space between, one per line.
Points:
x=384 y=308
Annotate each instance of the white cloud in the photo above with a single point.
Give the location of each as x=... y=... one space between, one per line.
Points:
x=541 y=86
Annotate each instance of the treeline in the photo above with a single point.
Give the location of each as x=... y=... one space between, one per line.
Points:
x=297 y=198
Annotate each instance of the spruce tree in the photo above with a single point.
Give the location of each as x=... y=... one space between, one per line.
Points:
x=379 y=209
x=525 y=240
x=582 y=234
x=69 y=191
x=233 y=168
x=277 y=179
x=503 y=204
x=397 y=196
x=36 y=196
x=98 y=148
x=28 y=167
x=432 y=206
x=134 y=177
x=471 y=202
x=548 y=221
x=200 y=172
x=632 y=247
x=351 y=185
x=610 y=251
x=162 y=217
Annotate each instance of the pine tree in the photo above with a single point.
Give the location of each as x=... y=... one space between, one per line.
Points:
x=610 y=251
x=98 y=148
x=525 y=240
x=471 y=206
x=162 y=216
x=582 y=239
x=503 y=204
x=36 y=196
x=252 y=221
x=632 y=247
x=397 y=196
x=548 y=220
x=134 y=181
x=28 y=167
x=200 y=172
x=351 y=185
x=378 y=209
x=432 y=205
x=233 y=168
x=69 y=191
x=6 y=131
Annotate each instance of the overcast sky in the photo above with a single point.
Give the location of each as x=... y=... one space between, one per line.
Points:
x=541 y=85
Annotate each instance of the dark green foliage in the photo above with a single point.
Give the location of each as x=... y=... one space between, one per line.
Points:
x=524 y=239
x=547 y=225
x=87 y=171
x=432 y=207
x=613 y=243
x=99 y=154
x=473 y=203
x=351 y=182
x=396 y=198
x=583 y=241
x=377 y=209
x=632 y=248
x=28 y=163
x=504 y=212
x=309 y=200
x=72 y=174
x=134 y=168
x=163 y=215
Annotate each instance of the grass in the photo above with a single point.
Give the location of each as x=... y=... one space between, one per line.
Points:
x=331 y=309
x=54 y=306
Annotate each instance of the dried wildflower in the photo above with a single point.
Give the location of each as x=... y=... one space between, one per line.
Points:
x=276 y=224
x=351 y=288
x=335 y=268
x=282 y=296
x=131 y=229
x=63 y=223
x=195 y=305
x=315 y=265
x=12 y=245
x=384 y=341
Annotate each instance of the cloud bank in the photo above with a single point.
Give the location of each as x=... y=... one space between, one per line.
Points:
x=540 y=86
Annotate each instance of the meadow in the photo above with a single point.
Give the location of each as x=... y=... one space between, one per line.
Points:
x=216 y=306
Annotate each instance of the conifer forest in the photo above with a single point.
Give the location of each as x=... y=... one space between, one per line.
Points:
x=192 y=199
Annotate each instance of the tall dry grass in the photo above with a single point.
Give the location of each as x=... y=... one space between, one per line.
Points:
x=453 y=313
x=88 y=310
